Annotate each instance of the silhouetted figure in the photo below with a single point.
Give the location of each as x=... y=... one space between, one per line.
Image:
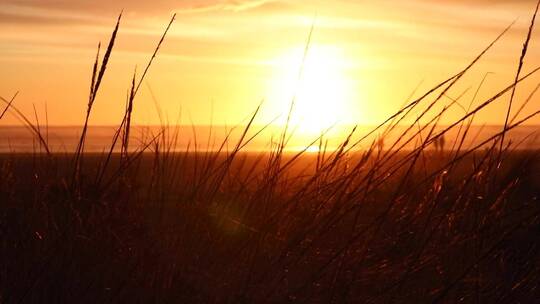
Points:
x=440 y=142
x=380 y=144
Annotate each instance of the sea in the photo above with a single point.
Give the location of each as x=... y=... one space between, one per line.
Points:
x=64 y=139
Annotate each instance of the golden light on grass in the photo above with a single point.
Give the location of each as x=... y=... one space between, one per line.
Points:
x=322 y=91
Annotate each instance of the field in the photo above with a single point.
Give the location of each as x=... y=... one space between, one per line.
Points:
x=184 y=227
x=408 y=219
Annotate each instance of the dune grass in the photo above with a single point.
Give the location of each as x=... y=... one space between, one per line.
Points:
x=388 y=223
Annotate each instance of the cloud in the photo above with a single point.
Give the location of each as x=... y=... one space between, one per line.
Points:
x=62 y=12
x=140 y=6
x=483 y=2
x=77 y=12
x=487 y=1
x=231 y=5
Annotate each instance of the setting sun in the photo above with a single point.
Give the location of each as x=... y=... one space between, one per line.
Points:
x=321 y=89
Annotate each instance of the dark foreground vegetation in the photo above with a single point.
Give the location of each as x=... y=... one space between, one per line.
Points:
x=185 y=228
x=385 y=224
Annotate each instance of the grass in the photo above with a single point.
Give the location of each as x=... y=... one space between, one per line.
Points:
x=389 y=223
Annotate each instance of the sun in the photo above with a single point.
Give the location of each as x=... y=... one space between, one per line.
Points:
x=321 y=89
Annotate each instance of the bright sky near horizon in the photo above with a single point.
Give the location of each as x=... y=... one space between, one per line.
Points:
x=223 y=57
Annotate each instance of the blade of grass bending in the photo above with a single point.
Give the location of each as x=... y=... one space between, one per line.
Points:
x=135 y=89
x=518 y=73
x=9 y=105
x=452 y=80
x=382 y=177
x=94 y=74
x=116 y=136
x=125 y=165
x=129 y=110
x=94 y=88
x=154 y=54
x=298 y=83
x=531 y=95
x=469 y=114
x=443 y=293
x=37 y=120
x=466 y=130
x=21 y=117
x=479 y=145
x=105 y=60
x=46 y=124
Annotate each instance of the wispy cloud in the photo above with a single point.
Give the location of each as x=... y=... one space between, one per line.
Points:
x=484 y=2
x=231 y=5
x=140 y=7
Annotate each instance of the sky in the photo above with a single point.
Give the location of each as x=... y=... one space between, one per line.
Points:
x=222 y=58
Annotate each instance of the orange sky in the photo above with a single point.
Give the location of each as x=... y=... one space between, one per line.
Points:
x=230 y=55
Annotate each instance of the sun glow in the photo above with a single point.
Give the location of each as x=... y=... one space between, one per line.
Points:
x=322 y=91
x=313 y=149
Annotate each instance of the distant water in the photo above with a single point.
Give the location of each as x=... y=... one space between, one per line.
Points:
x=64 y=139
